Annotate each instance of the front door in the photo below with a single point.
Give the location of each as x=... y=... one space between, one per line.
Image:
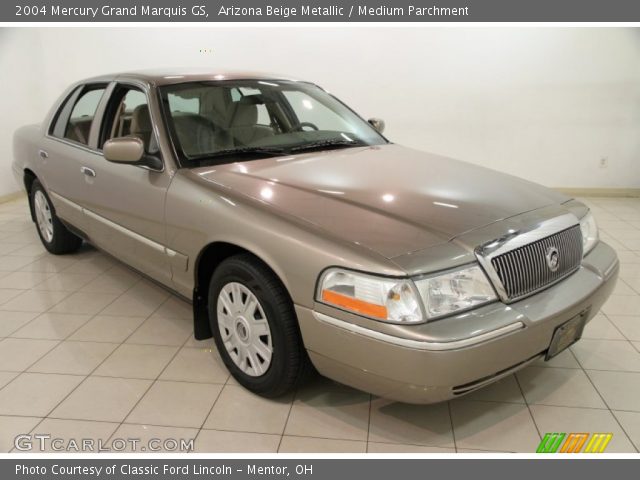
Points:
x=124 y=204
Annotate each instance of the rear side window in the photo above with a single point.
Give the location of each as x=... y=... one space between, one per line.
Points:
x=81 y=119
x=62 y=115
x=75 y=117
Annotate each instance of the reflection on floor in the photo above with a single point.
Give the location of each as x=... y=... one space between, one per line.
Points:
x=89 y=350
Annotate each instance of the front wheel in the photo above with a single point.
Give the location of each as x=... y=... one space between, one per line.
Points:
x=55 y=237
x=255 y=327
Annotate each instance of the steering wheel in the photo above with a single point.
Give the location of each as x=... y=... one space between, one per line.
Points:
x=301 y=125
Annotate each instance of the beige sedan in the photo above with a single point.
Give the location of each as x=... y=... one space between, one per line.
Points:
x=304 y=238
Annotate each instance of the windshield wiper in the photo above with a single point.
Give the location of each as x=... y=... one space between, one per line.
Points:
x=242 y=151
x=326 y=144
x=210 y=158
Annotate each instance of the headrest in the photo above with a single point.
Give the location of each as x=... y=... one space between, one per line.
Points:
x=245 y=114
x=255 y=99
x=140 y=119
x=217 y=99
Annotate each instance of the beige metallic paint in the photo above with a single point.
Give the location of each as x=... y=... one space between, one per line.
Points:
x=441 y=210
x=123 y=150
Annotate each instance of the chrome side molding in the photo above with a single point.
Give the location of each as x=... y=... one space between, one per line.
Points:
x=177 y=259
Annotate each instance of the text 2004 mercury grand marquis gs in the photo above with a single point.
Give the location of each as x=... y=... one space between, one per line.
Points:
x=303 y=237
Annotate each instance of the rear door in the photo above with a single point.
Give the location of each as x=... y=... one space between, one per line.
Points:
x=65 y=149
x=124 y=204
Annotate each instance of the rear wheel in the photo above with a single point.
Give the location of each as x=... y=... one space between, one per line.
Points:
x=255 y=327
x=55 y=237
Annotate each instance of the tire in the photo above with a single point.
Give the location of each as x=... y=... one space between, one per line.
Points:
x=242 y=276
x=55 y=237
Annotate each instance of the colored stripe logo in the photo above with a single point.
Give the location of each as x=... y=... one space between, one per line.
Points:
x=574 y=443
x=598 y=442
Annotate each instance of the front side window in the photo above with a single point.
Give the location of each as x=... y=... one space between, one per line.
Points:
x=211 y=122
x=127 y=114
x=79 y=123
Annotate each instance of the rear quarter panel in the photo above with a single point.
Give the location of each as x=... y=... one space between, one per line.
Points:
x=29 y=139
x=26 y=143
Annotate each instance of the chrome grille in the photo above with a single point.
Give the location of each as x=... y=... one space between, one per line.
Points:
x=525 y=270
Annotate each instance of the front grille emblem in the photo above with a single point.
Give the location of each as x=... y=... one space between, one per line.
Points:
x=553 y=258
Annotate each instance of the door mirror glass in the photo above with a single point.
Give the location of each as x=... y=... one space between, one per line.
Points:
x=377 y=123
x=128 y=150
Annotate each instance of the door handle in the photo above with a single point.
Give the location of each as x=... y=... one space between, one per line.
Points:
x=43 y=154
x=89 y=172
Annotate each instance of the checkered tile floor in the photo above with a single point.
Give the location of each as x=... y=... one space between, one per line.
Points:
x=89 y=349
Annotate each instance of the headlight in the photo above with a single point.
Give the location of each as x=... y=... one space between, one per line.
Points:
x=455 y=291
x=589 y=232
x=393 y=300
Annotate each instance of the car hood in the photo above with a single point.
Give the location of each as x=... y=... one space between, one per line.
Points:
x=390 y=199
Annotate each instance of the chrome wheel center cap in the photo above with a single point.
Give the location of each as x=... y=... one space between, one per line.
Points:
x=242 y=329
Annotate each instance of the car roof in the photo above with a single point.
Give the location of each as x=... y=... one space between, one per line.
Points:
x=173 y=76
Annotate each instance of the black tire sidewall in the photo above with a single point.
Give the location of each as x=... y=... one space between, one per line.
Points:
x=252 y=278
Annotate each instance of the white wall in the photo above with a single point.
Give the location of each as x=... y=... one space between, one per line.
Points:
x=22 y=97
x=542 y=103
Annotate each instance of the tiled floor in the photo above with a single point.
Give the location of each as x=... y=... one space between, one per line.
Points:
x=89 y=349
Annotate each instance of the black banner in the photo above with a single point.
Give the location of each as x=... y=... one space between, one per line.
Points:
x=314 y=469
x=320 y=11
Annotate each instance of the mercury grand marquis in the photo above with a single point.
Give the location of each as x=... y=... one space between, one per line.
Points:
x=304 y=239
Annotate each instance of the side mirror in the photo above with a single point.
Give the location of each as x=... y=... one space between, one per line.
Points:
x=124 y=150
x=129 y=151
x=377 y=123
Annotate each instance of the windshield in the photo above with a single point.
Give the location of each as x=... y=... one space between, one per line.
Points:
x=213 y=122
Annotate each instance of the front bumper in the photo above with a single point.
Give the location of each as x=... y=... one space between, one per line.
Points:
x=451 y=357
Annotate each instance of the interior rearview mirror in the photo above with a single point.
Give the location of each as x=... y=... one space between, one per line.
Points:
x=377 y=123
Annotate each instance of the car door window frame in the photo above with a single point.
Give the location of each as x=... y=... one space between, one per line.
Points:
x=63 y=114
x=103 y=109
